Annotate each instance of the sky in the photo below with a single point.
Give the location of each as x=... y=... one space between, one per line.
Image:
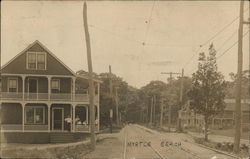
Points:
x=139 y=39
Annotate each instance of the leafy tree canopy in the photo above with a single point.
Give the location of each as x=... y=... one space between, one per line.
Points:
x=208 y=86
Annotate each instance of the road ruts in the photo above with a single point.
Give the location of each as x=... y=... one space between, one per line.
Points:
x=186 y=150
x=140 y=151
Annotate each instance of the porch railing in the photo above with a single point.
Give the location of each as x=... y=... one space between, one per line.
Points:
x=46 y=96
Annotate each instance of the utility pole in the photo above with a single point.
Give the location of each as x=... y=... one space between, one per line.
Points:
x=171 y=75
x=181 y=90
x=146 y=120
x=1 y=137
x=151 y=111
x=169 y=106
x=238 y=81
x=91 y=82
x=161 y=118
x=111 y=97
x=154 y=103
x=181 y=99
x=169 y=116
x=116 y=104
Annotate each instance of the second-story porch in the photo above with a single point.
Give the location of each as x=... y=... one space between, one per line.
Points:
x=45 y=88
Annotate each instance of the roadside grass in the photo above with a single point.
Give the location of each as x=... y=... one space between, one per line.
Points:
x=224 y=132
x=223 y=146
x=115 y=129
x=230 y=133
x=74 y=151
x=69 y=152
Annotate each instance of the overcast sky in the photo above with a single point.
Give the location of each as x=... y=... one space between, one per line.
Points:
x=138 y=39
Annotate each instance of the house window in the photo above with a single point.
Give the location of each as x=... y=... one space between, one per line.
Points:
x=12 y=85
x=34 y=115
x=55 y=85
x=36 y=60
x=41 y=61
x=32 y=60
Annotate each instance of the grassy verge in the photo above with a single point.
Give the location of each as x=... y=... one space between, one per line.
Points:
x=223 y=146
x=71 y=151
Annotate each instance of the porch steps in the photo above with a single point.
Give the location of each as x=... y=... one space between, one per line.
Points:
x=61 y=137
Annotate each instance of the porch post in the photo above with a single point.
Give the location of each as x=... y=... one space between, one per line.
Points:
x=98 y=107
x=71 y=127
x=98 y=117
x=23 y=106
x=23 y=82
x=87 y=115
x=98 y=91
x=49 y=106
x=73 y=88
x=49 y=86
x=213 y=123
x=74 y=118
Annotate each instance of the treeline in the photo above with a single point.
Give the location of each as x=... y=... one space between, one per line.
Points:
x=135 y=105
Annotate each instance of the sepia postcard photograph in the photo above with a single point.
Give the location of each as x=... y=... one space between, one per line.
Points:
x=124 y=79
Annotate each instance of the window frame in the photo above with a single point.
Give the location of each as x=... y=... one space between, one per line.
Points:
x=34 y=114
x=8 y=86
x=59 y=84
x=36 y=53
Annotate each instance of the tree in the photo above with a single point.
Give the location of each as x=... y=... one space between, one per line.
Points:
x=152 y=90
x=208 y=88
x=127 y=98
x=245 y=87
x=169 y=93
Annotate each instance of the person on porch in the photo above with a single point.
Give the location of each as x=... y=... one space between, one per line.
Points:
x=68 y=122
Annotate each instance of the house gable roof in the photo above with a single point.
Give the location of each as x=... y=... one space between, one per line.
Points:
x=54 y=64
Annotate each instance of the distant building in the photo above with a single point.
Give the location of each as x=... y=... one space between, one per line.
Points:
x=42 y=100
x=221 y=121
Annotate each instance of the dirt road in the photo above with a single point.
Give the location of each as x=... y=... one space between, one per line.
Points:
x=136 y=141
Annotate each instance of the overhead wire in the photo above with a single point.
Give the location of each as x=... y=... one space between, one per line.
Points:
x=148 y=22
x=226 y=51
x=213 y=37
x=222 y=54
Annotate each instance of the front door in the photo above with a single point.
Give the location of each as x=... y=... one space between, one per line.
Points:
x=57 y=119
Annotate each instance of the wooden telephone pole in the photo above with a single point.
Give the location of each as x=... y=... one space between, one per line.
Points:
x=151 y=111
x=181 y=99
x=171 y=75
x=116 y=105
x=1 y=137
x=181 y=90
x=169 y=106
x=161 y=117
x=154 y=104
x=238 y=81
x=111 y=96
x=91 y=82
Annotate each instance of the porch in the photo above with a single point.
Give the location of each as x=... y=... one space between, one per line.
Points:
x=18 y=96
x=27 y=88
x=40 y=117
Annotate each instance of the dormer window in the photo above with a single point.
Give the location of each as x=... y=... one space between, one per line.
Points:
x=36 y=60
